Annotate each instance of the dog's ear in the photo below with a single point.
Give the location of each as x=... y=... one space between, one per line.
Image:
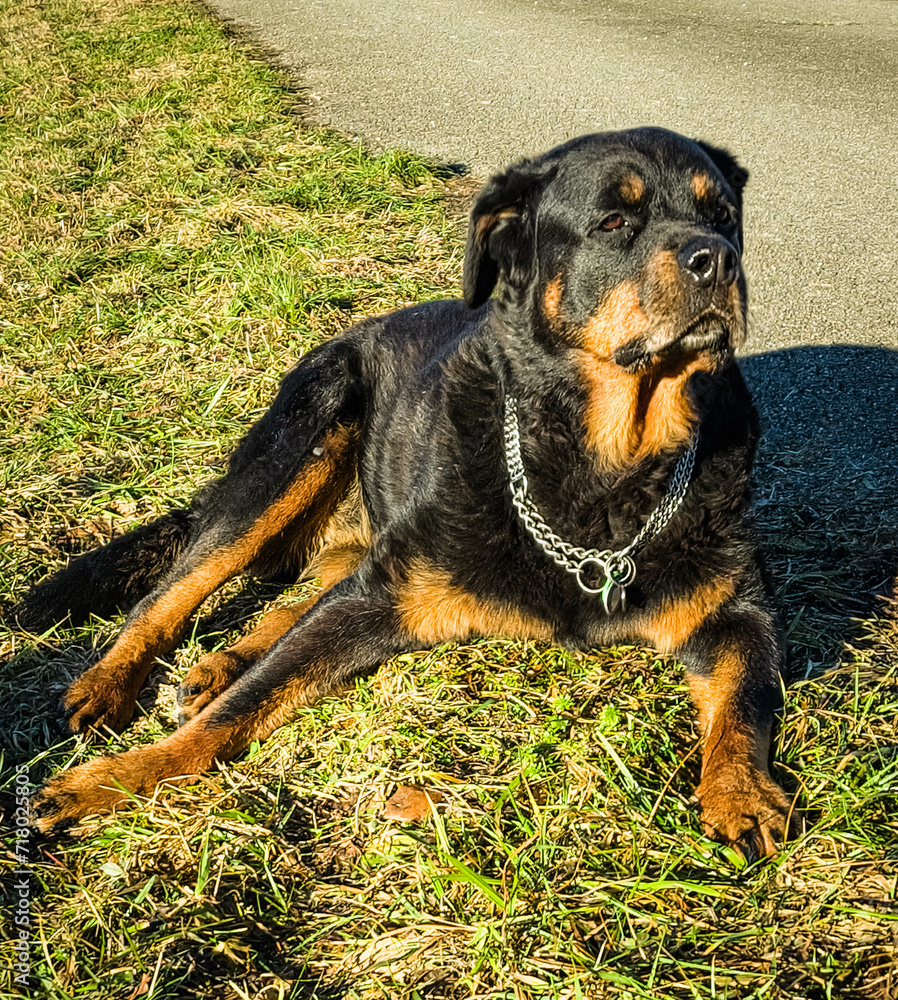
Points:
x=500 y=231
x=734 y=173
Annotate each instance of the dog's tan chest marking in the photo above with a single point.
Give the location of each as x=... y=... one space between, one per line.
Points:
x=668 y=628
x=433 y=609
x=630 y=416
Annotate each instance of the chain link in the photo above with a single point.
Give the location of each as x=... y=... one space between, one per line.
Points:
x=618 y=567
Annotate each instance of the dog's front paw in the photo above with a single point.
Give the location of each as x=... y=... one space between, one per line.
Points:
x=96 y=787
x=743 y=806
x=205 y=681
x=97 y=701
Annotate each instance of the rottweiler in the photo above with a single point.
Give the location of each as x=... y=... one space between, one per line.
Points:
x=565 y=460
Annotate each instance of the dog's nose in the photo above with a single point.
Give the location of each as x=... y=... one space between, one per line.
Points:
x=708 y=261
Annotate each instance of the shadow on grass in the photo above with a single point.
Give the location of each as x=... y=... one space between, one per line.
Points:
x=826 y=487
x=35 y=679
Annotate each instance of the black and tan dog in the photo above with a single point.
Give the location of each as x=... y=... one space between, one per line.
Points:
x=599 y=384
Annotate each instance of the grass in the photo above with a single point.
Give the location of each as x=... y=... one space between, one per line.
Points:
x=170 y=239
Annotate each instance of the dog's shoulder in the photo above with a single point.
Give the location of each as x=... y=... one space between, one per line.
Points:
x=418 y=337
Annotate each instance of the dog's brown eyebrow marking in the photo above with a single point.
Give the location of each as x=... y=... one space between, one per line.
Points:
x=632 y=188
x=486 y=223
x=702 y=186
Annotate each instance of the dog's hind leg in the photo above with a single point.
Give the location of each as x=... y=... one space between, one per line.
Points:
x=216 y=672
x=386 y=607
x=284 y=482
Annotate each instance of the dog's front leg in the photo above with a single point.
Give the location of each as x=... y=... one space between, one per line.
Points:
x=348 y=633
x=733 y=675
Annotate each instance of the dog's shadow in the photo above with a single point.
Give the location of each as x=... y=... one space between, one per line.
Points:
x=826 y=489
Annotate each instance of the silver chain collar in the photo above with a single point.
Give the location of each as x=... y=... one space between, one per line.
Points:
x=618 y=568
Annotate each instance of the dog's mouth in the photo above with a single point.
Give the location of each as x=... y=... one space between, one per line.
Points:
x=709 y=331
x=712 y=333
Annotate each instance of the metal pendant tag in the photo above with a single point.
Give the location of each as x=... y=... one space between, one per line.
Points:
x=614 y=597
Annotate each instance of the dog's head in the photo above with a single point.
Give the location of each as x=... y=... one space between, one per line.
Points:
x=625 y=244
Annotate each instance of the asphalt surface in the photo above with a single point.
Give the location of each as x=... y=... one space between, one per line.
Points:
x=804 y=93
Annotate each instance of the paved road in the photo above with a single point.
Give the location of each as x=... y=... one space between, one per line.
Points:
x=805 y=92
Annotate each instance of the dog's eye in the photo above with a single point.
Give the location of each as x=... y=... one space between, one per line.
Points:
x=612 y=222
x=723 y=215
